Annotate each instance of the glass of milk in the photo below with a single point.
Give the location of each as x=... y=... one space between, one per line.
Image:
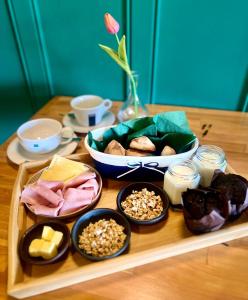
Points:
x=180 y=176
x=207 y=159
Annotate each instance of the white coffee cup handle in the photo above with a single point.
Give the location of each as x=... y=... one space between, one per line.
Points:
x=107 y=104
x=67 y=134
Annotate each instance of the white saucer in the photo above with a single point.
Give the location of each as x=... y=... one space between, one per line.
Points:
x=18 y=155
x=69 y=120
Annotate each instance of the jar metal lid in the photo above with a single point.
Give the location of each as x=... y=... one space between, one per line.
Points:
x=210 y=154
x=184 y=169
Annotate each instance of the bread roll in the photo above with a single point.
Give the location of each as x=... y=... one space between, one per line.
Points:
x=168 y=151
x=115 y=148
x=142 y=143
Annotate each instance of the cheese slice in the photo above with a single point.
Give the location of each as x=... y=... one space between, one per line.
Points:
x=63 y=169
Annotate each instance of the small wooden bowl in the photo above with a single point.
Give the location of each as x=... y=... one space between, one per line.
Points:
x=92 y=217
x=77 y=212
x=138 y=186
x=35 y=232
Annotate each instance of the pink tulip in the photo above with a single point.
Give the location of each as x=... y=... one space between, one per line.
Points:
x=111 y=24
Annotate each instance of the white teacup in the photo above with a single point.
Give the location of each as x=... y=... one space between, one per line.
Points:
x=89 y=109
x=43 y=135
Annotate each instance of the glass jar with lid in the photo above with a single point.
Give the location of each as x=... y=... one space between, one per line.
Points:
x=180 y=176
x=207 y=159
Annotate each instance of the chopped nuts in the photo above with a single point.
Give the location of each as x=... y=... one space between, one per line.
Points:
x=143 y=205
x=102 y=238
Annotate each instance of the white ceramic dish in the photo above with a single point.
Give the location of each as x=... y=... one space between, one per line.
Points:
x=89 y=109
x=69 y=120
x=43 y=135
x=18 y=155
x=138 y=168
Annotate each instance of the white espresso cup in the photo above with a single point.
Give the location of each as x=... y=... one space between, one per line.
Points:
x=43 y=135
x=89 y=109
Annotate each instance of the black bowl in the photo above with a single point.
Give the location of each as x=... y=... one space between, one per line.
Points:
x=138 y=186
x=35 y=232
x=92 y=217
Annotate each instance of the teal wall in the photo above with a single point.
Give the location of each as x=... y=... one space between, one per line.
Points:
x=190 y=52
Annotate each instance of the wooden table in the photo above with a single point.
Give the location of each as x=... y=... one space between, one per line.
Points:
x=218 y=272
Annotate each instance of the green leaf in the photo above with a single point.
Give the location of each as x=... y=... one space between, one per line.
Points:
x=113 y=54
x=122 y=50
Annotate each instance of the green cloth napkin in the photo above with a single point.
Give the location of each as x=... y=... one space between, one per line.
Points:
x=169 y=128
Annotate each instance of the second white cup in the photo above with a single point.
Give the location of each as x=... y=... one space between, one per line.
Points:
x=89 y=109
x=43 y=135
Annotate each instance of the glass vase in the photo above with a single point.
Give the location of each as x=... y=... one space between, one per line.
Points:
x=132 y=108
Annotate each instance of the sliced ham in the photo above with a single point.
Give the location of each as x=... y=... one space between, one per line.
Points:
x=48 y=194
x=53 y=185
x=74 y=195
x=30 y=196
x=90 y=184
x=53 y=198
x=46 y=210
x=60 y=193
x=75 y=199
x=75 y=182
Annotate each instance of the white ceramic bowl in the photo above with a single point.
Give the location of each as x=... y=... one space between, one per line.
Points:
x=137 y=168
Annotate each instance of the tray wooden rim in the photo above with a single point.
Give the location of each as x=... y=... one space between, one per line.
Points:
x=95 y=270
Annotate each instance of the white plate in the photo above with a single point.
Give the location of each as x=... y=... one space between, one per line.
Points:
x=69 y=120
x=18 y=155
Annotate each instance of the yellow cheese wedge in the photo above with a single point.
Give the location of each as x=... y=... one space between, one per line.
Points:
x=57 y=238
x=48 y=250
x=35 y=247
x=47 y=233
x=63 y=169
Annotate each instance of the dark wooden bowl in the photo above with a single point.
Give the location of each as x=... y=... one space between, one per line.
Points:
x=80 y=210
x=35 y=232
x=138 y=186
x=92 y=217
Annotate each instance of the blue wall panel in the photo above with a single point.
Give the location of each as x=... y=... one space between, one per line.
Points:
x=15 y=100
x=72 y=33
x=187 y=53
x=201 y=52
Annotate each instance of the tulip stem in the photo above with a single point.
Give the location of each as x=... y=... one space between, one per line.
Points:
x=134 y=93
x=118 y=41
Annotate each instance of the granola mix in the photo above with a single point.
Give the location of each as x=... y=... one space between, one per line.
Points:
x=143 y=205
x=102 y=238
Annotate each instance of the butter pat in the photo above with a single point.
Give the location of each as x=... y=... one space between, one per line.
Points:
x=63 y=169
x=47 y=246
x=47 y=233
x=48 y=250
x=35 y=247
x=57 y=238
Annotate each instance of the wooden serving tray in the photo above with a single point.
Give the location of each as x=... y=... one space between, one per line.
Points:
x=148 y=243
